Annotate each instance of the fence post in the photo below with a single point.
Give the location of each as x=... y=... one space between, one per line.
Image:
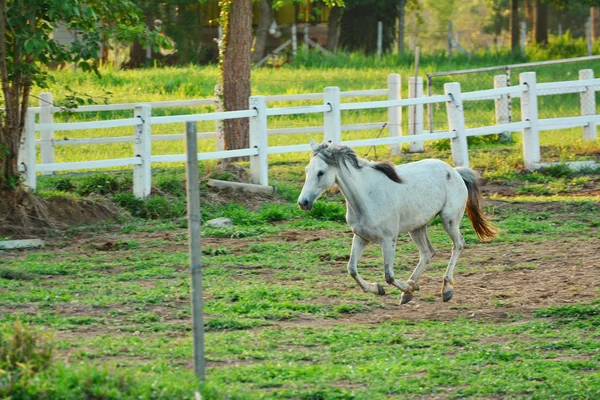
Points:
x=529 y=112
x=294 y=41
x=259 y=164
x=415 y=113
x=379 y=40
x=220 y=131
x=588 y=104
x=46 y=135
x=456 y=123
x=332 y=120
x=522 y=35
x=501 y=106
x=450 y=39
x=588 y=35
x=142 y=174
x=27 y=153
x=394 y=125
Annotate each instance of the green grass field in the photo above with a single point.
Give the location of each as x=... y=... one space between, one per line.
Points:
x=283 y=319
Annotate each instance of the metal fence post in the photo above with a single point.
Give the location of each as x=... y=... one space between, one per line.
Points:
x=415 y=113
x=450 y=39
x=522 y=35
x=529 y=112
x=588 y=104
x=27 y=153
x=46 y=135
x=588 y=36
x=501 y=106
x=259 y=164
x=456 y=123
x=220 y=131
x=332 y=120
x=142 y=174
x=294 y=41
x=379 y=40
x=195 y=244
x=394 y=125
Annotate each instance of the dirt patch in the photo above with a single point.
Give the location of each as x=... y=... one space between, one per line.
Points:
x=34 y=215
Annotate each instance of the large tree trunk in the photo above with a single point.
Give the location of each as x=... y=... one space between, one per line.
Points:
x=236 y=72
x=333 y=28
x=540 y=22
x=264 y=21
x=514 y=26
x=595 y=17
x=401 y=26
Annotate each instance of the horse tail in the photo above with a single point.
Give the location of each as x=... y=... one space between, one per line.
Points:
x=484 y=229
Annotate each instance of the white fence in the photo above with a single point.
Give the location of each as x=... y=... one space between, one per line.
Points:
x=332 y=108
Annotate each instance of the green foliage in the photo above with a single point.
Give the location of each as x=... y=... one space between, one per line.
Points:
x=573 y=311
x=170 y=184
x=15 y=274
x=558 y=47
x=328 y=211
x=154 y=207
x=101 y=184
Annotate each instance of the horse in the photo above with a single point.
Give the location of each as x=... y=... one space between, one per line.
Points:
x=383 y=200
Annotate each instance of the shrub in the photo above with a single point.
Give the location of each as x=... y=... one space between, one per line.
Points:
x=98 y=183
x=170 y=184
x=328 y=211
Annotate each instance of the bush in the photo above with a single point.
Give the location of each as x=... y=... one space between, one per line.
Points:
x=98 y=183
x=155 y=207
x=328 y=211
x=170 y=184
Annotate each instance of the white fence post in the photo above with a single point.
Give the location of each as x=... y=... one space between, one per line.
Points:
x=415 y=113
x=220 y=131
x=501 y=106
x=259 y=164
x=142 y=174
x=46 y=135
x=529 y=112
x=27 y=153
x=588 y=36
x=379 y=40
x=588 y=105
x=394 y=125
x=456 y=122
x=522 y=36
x=294 y=41
x=332 y=120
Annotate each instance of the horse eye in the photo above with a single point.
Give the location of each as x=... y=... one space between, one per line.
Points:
x=320 y=174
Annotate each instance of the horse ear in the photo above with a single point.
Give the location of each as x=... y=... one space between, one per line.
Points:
x=313 y=144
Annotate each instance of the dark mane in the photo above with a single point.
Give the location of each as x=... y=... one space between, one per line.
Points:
x=337 y=156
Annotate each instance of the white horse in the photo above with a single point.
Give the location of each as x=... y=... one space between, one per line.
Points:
x=382 y=201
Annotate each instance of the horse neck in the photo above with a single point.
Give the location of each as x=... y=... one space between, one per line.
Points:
x=354 y=185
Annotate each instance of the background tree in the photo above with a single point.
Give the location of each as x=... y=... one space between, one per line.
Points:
x=514 y=26
x=265 y=19
x=540 y=22
x=359 y=24
x=27 y=48
x=236 y=21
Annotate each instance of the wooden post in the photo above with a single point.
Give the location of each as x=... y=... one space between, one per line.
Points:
x=429 y=106
x=379 y=40
x=220 y=131
x=259 y=164
x=588 y=36
x=142 y=174
x=46 y=135
x=456 y=123
x=522 y=36
x=415 y=113
x=195 y=244
x=529 y=112
x=294 y=40
x=450 y=39
x=501 y=106
x=332 y=120
x=588 y=105
x=394 y=126
x=306 y=35
x=28 y=154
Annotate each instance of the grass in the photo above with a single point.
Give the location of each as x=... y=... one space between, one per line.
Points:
x=282 y=317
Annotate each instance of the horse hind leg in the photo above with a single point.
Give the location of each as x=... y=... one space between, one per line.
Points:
x=358 y=246
x=451 y=226
x=426 y=252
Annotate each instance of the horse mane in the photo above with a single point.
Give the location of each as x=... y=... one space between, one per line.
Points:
x=337 y=156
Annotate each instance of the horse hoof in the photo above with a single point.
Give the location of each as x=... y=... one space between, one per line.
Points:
x=446 y=296
x=380 y=290
x=406 y=297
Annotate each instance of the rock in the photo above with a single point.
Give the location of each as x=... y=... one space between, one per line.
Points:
x=221 y=222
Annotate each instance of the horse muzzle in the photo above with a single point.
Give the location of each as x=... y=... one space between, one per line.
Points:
x=305 y=204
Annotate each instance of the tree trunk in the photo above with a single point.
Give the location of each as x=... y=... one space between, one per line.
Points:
x=236 y=72
x=514 y=26
x=529 y=17
x=264 y=22
x=333 y=28
x=595 y=16
x=540 y=23
x=401 y=26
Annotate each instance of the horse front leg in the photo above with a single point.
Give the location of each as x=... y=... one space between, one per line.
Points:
x=358 y=246
x=389 y=253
